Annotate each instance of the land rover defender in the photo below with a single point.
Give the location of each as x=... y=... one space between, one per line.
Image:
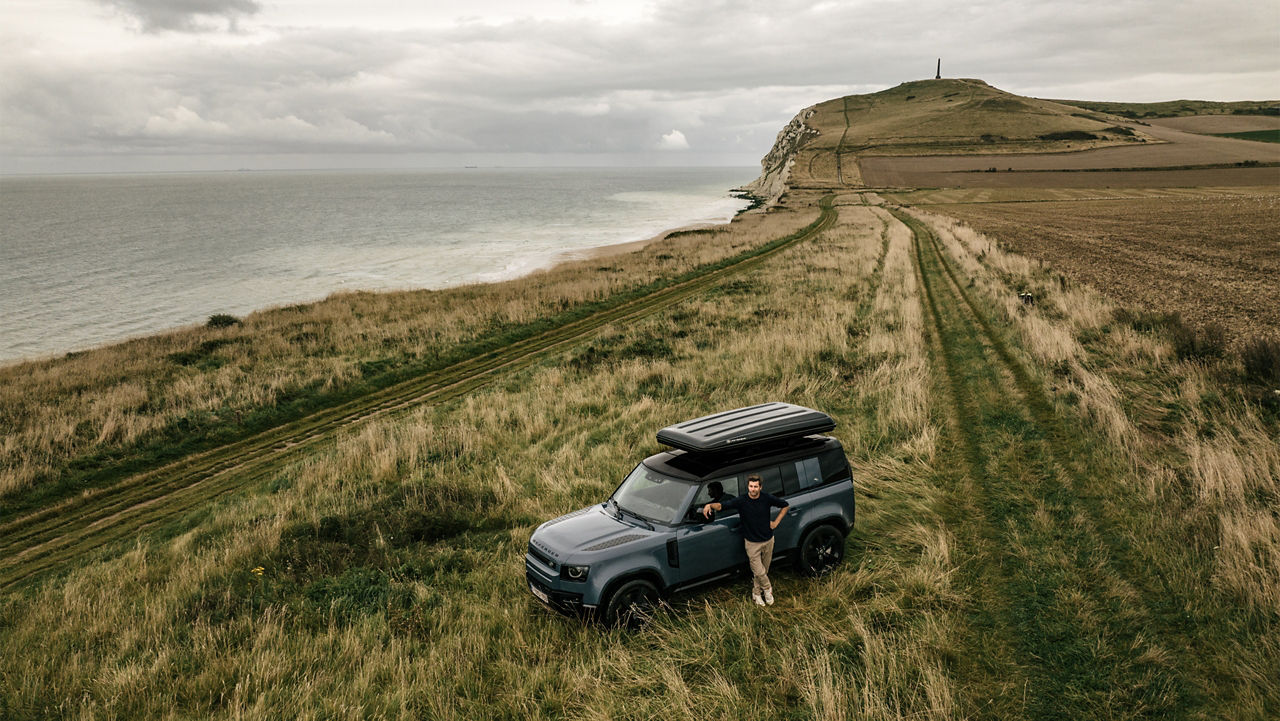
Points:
x=617 y=560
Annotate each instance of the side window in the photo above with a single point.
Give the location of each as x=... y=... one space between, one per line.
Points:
x=728 y=488
x=770 y=480
x=790 y=478
x=810 y=472
x=835 y=466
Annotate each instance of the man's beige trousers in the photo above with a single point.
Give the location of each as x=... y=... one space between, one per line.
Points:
x=759 y=555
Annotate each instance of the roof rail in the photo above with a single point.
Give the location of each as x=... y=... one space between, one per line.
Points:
x=764 y=423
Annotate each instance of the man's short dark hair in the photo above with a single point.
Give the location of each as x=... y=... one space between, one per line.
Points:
x=755 y=478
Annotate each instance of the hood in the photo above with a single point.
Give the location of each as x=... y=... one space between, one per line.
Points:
x=584 y=531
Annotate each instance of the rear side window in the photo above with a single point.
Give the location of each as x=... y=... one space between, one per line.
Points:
x=790 y=478
x=835 y=467
x=810 y=472
x=771 y=480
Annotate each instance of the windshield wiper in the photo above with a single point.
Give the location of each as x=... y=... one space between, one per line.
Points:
x=637 y=516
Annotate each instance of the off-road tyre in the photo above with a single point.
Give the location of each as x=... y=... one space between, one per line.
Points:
x=820 y=551
x=632 y=605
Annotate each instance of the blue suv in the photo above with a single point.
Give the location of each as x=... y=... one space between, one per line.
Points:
x=618 y=560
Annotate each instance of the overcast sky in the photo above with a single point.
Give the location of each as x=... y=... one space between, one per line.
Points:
x=213 y=84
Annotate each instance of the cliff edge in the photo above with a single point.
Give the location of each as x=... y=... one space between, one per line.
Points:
x=824 y=145
x=775 y=167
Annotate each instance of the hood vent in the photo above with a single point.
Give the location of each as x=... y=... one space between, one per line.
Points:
x=567 y=516
x=614 y=542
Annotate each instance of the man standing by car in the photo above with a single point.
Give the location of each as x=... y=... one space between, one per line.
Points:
x=757 y=532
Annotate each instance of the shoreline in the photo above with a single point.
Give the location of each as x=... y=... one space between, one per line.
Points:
x=628 y=246
x=555 y=261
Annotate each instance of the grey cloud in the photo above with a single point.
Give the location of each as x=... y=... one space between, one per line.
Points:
x=185 y=15
x=726 y=75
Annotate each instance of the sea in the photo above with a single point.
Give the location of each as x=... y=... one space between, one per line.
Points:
x=92 y=259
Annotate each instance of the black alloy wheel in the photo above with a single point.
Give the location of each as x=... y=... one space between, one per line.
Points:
x=633 y=604
x=821 y=551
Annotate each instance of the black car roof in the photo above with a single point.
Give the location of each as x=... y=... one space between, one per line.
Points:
x=694 y=466
x=764 y=423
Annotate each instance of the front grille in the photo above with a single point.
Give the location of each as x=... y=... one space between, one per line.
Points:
x=546 y=561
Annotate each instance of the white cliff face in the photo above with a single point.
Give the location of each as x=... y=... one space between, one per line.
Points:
x=776 y=165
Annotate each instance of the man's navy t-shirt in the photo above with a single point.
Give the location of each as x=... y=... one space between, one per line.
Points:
x=755 y=514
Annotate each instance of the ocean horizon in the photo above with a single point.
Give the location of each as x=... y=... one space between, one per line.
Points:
x=87 y=260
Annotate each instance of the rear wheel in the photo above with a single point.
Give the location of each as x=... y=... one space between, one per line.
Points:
x=633 y=604
x=821 y=550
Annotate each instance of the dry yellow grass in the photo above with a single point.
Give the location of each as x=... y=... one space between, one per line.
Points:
x=121 y=395
x=1231 y=474
x=175 y=630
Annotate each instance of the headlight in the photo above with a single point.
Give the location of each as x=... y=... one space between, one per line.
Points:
x=574 y=573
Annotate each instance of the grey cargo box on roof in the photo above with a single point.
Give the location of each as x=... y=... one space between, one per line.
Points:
x=745 y=426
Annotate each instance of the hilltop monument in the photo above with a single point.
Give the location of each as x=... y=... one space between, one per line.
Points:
x=938 y=76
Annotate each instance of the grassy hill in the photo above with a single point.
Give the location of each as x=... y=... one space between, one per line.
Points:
x=944 y=117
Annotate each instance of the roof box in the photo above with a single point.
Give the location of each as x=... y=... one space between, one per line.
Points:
x=752 y=425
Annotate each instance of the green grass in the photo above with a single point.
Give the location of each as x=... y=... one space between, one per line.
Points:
x=1021 y=550
x=1179 y=108
x=1262 y=136
x=199 y=432
x=382 y=572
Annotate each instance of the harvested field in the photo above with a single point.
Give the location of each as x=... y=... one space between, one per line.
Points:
x=1220 y=123
x=1035 y=195
x=1212 y=259
x=1128 y=166
x=882 y=177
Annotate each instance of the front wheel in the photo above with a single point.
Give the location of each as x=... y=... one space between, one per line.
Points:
x=633 y=604
x=821 y=550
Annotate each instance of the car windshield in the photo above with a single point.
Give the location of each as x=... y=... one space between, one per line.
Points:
x=652 y=495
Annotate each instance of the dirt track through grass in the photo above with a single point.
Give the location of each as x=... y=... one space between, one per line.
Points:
x=66 y=532
x=1066 y=619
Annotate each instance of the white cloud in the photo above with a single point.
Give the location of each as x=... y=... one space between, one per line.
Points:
x=673 y=140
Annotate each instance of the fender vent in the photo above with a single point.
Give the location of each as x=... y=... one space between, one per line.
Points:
x=613 y=542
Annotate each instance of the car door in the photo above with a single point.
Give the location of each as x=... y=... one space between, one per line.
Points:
x=710 y=549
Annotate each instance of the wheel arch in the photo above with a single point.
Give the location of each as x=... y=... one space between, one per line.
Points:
x=647 y=574
x=829 y=520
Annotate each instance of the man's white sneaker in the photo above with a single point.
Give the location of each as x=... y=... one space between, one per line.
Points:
x=768 y=597
x=756 y=597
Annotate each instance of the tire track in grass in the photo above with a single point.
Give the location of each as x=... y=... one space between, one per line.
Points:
x=63 y=533
x=1053 y=610
x=1085 y=490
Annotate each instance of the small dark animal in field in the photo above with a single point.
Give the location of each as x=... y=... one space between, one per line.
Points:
x=1027 y=299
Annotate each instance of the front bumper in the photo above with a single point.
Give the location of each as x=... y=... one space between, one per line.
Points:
x=543 y=587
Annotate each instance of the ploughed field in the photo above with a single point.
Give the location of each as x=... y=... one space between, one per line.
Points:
x=1175 y=158
x=1211 y=259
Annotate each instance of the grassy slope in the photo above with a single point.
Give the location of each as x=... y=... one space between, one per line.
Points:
x=1021 y=546
x=948 y=117
x=84 y=421
x=1262 y=136
x=74 y=528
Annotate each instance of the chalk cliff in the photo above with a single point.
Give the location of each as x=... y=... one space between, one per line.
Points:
x=776 y=165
